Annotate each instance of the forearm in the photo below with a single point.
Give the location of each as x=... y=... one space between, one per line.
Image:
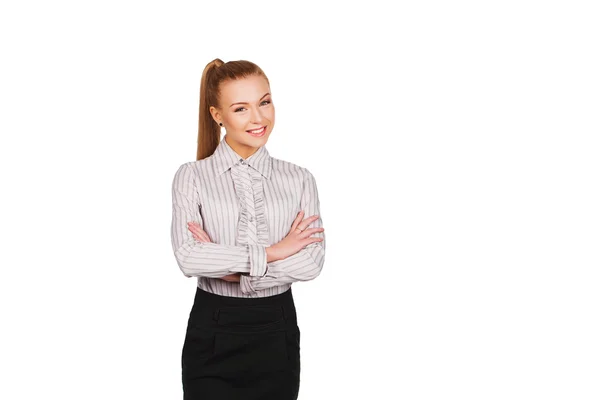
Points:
x=305 y=265
x=272 y=254
x=215 y=260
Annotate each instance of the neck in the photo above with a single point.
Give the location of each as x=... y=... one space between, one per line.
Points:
x=241 y=149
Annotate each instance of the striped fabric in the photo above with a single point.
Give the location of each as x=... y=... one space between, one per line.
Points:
x=244 y=205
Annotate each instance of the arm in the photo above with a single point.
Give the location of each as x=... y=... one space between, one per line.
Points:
x=211 y=260
x=307 y=263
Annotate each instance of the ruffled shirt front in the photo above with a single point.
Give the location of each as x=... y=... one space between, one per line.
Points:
x=252 y=224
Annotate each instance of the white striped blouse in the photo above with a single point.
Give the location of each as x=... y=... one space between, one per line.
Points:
x=244 y=205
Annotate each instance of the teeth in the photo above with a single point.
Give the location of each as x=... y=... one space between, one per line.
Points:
x=257 y=131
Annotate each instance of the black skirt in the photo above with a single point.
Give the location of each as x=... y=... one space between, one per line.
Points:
x=241 y=348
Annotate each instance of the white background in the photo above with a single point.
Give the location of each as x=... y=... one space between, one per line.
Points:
x=455 y=148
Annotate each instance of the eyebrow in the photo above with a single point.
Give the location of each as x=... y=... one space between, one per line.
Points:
x=244 y=102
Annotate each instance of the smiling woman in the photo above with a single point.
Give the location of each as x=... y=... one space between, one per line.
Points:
x=247 y=225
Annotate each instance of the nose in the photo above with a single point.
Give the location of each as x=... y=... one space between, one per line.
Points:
x=257 y=116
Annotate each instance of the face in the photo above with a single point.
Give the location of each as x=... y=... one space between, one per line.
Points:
x=245 y=106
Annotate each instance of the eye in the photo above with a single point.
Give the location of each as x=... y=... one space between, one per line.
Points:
x=242 y=108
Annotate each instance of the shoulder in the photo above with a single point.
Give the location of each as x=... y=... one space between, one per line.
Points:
x=194 y=168
x=291 y=169
x=200 y=165
x=188 y=175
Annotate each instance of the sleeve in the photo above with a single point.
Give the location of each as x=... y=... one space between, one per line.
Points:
x=304 y=265
x=206 y=259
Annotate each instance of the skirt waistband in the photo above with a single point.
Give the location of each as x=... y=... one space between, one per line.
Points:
x=215 y=312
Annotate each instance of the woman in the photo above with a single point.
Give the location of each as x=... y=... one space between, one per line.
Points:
x=247 y=226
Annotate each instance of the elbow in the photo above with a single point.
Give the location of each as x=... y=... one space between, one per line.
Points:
x=318 y=256
x=318 y=261
x=182 y=257
x=319 y=268
x=192 y=264
x=187 y=272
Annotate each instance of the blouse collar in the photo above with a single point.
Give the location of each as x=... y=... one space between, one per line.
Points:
x=225 y=157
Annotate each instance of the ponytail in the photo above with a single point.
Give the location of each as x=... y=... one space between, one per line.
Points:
x=209 y=132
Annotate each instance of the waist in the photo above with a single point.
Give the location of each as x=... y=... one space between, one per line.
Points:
x=215 y=311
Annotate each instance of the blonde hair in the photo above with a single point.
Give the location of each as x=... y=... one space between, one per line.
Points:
x=215 y=73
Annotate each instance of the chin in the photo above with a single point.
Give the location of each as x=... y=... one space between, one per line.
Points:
x=254 y=140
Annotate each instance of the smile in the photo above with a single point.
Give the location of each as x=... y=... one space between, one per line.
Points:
x=258 y=132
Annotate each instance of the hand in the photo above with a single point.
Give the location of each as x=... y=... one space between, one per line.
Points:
x=202 y=236
x=198 y=232
x=297 y=238
x=232 y=278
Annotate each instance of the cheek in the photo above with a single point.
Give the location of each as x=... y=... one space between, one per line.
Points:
x=270 y=114
x=238 y=122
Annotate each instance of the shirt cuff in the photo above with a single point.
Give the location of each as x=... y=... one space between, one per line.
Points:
x=246 y=284
x=258 y=260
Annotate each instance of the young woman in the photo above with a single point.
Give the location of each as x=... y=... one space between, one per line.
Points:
x=247 y=225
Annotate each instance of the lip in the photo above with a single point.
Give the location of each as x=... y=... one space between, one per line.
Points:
x=263 y=127
x=264 y=132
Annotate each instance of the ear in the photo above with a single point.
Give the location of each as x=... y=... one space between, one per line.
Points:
x=216 y=114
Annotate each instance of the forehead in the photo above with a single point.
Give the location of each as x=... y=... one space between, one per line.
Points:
x=248 y=89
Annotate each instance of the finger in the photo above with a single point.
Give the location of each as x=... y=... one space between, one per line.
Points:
x=297 y=219
x=203 y=235
x=304 y=224
x=194 y=231
x=198 y=238
x=195 y=228
x=232 y=277
x=311 y=231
